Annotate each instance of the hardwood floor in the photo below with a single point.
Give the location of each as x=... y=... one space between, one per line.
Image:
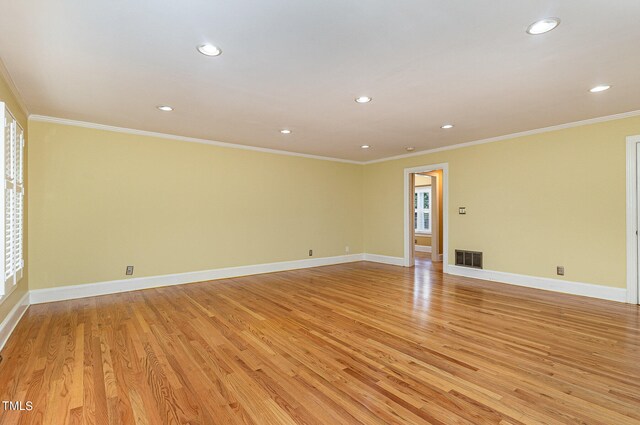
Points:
x=358 y=343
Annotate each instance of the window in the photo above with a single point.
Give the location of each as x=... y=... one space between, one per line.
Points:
x=422 y=204
x=12 y=201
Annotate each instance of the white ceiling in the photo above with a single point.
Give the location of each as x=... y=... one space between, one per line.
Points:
x=299 y=65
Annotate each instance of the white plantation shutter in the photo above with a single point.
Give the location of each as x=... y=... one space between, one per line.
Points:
x=9 y=197
x=12 y=200
x=9 y=208
x=18 y=231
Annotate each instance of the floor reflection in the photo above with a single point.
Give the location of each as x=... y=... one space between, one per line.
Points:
x=424 y=272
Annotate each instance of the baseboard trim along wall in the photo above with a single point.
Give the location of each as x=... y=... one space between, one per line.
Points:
x=423 y=248
x=71 y=292
x=556 y=285
x=38 y=296
x=384 y=259
x=11 y=321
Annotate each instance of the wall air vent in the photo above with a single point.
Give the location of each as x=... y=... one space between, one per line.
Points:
x=469 y=259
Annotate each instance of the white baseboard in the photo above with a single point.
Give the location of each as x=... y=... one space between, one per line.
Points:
x=9 y=323
x=423 y=248
x=385 y=259
x=116 y=286
x=556 y=285
x=38 y=296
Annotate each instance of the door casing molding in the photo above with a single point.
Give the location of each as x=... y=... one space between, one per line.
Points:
x=408 y=215
x=632 y=219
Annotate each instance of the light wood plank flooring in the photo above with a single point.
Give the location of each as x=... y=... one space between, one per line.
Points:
x=358 y=343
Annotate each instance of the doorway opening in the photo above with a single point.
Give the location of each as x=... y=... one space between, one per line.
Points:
x=425 y=221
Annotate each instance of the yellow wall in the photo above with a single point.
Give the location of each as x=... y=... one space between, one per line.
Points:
x=103 y=200
x=533 y=203
x=9 y=98
x=423 y=240
x=422 y=180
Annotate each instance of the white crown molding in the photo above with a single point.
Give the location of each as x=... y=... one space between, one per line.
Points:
x=510 y=136
x=548 y=284
x=12 y=87
x=64 y=121
x=85 y=124
x=11 y=321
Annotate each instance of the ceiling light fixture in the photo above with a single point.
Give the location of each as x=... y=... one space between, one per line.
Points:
x=363 y=99
x=542 y=26
x=410 y=149
x=209 y=50
x=447 y=126
x=365 y=146
x=600 y=88
x=165 y=108
x=285 y=131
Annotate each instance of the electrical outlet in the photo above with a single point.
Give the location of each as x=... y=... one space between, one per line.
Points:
x=462 y=210
x=311 y=253
x=129 y=271
x=347 y=249
x=560 y=270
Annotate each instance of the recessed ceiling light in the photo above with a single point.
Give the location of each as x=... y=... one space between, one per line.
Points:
x=410 y=149
x=447 y=126
x=543 y=25
x=365 y=146
x=165 y=108
x=209 y=50
x=285 y=131
x=363 y=99
x=597 y=89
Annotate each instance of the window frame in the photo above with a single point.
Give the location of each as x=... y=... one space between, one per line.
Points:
x=14 y=183
x=419 y=209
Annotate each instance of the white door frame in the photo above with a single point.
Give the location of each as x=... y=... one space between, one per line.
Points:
x=408 y=215
x=632 y=219
x=436 y=255
x=412 y=231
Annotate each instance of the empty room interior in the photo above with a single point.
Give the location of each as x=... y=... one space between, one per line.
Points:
x=320 y=212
